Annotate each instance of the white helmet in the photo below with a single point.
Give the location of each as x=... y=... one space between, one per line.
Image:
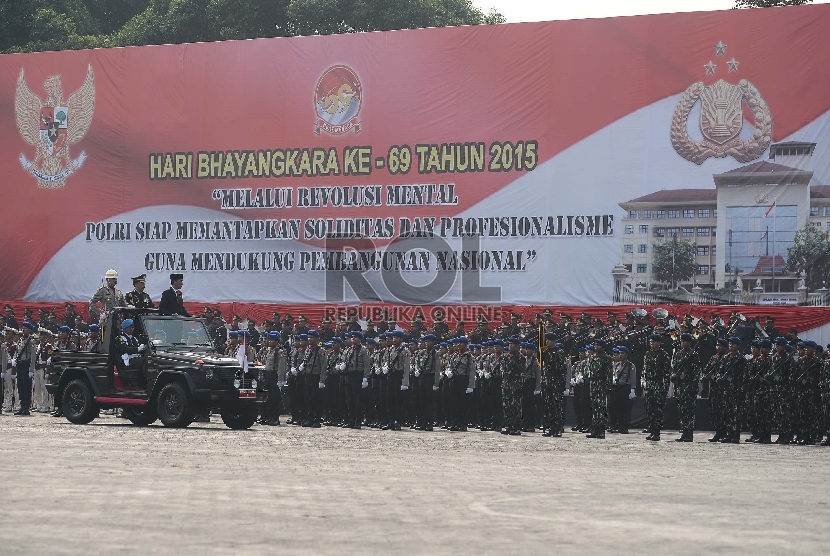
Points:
x=111 y=274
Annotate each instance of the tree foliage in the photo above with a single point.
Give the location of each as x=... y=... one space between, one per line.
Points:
x=36 y=25
x=809 y=255
x=769 y=3
x=679 y=267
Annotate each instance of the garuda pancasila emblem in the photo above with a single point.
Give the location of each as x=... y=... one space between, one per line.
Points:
x=721 y=121
x=52 y=126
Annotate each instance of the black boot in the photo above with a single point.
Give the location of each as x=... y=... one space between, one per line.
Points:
x=717 y=437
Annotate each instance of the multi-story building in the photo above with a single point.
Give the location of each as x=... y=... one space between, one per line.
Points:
x=752 y=212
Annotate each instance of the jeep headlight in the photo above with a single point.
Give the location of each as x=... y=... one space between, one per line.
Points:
x=237 y=383
x=254 y=384
x=209 y=374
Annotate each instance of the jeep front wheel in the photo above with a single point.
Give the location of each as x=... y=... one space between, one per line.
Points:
x=140 y=417
x=174 y=407
x=240 y=416
x=78 y=404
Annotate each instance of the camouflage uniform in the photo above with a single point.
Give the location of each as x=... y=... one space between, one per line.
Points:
x=685 y=375
x=808 y=373
x=732 y=374
x=600 y=367
x=554 y=371
x=779 y=378
x=712 y=373
x=656 y=373
x=512 y=389
x=759 y=408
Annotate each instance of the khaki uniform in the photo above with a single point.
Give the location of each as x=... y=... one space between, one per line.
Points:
x=108 y=298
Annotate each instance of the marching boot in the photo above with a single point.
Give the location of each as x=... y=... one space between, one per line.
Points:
x=826 y=441
x=682 y=437
x=717 y=437
x=765 y=439
x=655 y=436
x=751 y=439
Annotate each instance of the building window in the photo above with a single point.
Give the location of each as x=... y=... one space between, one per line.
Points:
x=643 y=228
x=627 y=267
x=642 y=248
x=713 y=250
x=649 y=214
x=688 y=232
x=703 y=232
x=672 y=232
x=715 y=213
x=661 y=214
x=703 y=213
x=629 y=229
x=660 y=232
x=634 y=214
x=642 y=268
x=815 y=224
x=674 y=214
x=703 y=270
x=714 y=232
x=813 y=211
x=713 y=269
x=702 y=251
x=629 y=248
x=688 y=213
x=826 y=211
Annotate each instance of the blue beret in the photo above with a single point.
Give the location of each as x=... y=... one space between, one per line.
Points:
x=442 y=344
x=274 y=335
x=524 y=345
x=820 y=348
x=781 y=341
x=501 y=343
x=358 y=334
x=462 y=339
x=28 y=325
x=616 y=350
x=560 y=345
x=765 y=344
x=327 y=344
x=124 y=325
x=810 y=343
x=722 y=342
x=338 y=339
x=601 y=343
x=514 y=340
x=550 y=336
x=371 y=341
x=429 y=338
x=533 y=346
x=656 y=338
x=94 y=328
x=790 y=348
x=686 y=337
x=233 y=334
x=735 y=340
x=589 y=347
x=314 y=333
x=302 y=337
x=582 y=350
x=65 y=329
x=382 y=336
x=623 y=349
x=399 y=334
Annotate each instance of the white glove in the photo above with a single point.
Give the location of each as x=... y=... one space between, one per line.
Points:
x=632 y=394
x=142 y=347
x=580 y=380
x=567 y=391
x=280 y=384
x=417 y=373
x=573 y=382
x=46 y=376
x=294 y=371
x=435 y=388
x=643 y=382
x=301 y=368
x=3 y=375
x=748 y=357
x=698 y=396
x=322 y=385
x=341 y=366
x=469 y=391
x=49 y=361
x=487 y=376
x=537 y=392
x=615 y=381
x=14 y=362
x=385 y=370
x=449 y=374
x=31 y=374
x=404 y=387
x=365 y=383
x=480 y=373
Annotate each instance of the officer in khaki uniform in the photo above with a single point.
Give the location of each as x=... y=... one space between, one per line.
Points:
x=24 y=362
x=106 y=298
x=138 y=297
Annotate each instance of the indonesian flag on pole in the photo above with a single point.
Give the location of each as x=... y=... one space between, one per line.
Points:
x=242 y=354
x=771 y=208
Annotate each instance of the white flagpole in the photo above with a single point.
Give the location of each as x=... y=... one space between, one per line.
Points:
x=774 y=211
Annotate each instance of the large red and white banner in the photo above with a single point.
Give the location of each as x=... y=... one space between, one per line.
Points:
x=477 y=164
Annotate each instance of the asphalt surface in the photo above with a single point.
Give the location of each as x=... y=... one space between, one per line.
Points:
x=110 y=487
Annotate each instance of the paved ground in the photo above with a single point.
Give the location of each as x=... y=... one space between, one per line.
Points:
x=111 y=487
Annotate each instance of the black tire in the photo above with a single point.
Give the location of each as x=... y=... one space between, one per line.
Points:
x=78 y=404
x=141 y=417
x=240 y=416
x=174 y=406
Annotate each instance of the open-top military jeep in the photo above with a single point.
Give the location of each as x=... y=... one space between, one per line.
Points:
x=180 y=374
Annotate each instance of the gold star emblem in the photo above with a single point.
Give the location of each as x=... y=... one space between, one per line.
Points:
x=720 y=49
x=733 y=65
x=710 y=68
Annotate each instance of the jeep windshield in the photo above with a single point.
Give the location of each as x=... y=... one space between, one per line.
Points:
x=171 y=332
